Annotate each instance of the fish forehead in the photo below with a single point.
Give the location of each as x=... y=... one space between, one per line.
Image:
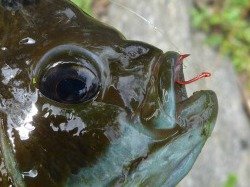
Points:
x=49 y=24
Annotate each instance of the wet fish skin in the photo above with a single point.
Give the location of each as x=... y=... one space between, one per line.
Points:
x=139 y=129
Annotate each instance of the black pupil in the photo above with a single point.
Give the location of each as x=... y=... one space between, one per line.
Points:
x=71 y=89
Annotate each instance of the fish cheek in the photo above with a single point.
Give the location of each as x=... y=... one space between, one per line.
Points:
x=131 y=74
x=53 y=149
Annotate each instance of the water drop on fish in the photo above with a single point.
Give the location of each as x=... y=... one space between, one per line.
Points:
x=32 y=173
x=27 y=41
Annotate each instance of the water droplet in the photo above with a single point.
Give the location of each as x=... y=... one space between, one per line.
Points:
x=3 y=48
x=27 y=41
x=32 y=173
x=28 y=62
x=8 y=73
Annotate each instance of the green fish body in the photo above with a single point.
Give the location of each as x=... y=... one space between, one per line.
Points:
x=82 y=106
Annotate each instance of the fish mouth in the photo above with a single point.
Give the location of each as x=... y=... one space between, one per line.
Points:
x=195 y=120
x=178 y=111
x=198 y=110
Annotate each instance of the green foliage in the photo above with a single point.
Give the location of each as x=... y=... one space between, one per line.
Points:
x=84 y=5
x=228 y=29
x=231 y=181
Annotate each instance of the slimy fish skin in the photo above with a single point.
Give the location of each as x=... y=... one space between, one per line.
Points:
x=82 y=106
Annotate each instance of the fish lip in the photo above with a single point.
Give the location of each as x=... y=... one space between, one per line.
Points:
x=198 y=110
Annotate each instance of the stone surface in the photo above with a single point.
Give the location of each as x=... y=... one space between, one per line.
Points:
x=167 y=26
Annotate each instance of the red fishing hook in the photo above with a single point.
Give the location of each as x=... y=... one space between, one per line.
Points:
x=202 y=75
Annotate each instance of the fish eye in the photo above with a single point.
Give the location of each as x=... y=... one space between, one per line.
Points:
x=68 y=74
x=69 y=83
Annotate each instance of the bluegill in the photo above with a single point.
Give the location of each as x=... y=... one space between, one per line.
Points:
x=82 y=106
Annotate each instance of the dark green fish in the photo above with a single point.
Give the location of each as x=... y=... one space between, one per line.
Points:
x=82 y=106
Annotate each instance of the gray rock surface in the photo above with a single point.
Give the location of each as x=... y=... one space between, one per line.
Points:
x=168 y=27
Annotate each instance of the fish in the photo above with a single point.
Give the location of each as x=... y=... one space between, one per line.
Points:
x=80 y=105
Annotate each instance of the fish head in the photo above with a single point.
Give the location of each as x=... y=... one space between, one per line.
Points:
x=81 y=105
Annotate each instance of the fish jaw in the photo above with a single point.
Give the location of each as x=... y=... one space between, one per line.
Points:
x=199 y=110
x=172 y=162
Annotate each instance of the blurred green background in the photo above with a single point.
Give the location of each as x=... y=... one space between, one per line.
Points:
x=227 y=23
x=86 y=5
